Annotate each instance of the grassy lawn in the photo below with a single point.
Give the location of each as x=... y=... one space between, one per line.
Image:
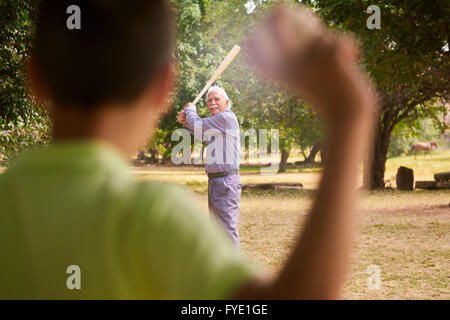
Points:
x=405 y=234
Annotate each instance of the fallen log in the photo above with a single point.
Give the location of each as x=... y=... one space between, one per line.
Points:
x=443 y=184
x=431 y=185
x=272 y=186
x=442 y=176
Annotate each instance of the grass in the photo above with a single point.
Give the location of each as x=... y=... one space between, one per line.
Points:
x=406 y=234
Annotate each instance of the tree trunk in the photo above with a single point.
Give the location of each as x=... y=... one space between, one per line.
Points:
x=303 y=153
x=312 y=155
x=154 y=155
x=323 y=154
x=442 y=176
x=283 y=161
x=374 y=167
x=405 y=178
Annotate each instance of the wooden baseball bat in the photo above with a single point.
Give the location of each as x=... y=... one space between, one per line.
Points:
x=223 y=65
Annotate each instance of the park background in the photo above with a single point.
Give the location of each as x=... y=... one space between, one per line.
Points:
x=405 y=234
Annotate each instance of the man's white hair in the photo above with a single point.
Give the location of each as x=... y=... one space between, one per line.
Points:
x=222 y=91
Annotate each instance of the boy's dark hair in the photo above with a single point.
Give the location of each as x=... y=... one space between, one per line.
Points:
x=121 y=46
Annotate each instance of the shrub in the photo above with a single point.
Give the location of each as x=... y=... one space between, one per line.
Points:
x=21 y=135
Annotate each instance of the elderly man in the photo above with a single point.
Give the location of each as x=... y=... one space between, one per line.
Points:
x=221 y=132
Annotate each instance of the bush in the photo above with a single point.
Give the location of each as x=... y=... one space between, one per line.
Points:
x=399 y=145
x=21 y=135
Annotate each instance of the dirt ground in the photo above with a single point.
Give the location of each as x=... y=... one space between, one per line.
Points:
x=409 y=243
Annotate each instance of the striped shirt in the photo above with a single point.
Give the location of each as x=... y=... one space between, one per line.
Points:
x=221 y=133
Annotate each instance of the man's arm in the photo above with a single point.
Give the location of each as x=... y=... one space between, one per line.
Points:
x=215 y=122
x=181 y=118
x=315 y=269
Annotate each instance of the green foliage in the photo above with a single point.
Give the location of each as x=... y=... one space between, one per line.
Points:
x=23 y=125
x=207 y=30
x=407 y=59
x=257 y=103
x=192 y=61
x=21 y=135
x=16 y=31
x=412 y=36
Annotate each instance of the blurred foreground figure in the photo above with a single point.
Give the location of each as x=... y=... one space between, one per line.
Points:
x=75 y=225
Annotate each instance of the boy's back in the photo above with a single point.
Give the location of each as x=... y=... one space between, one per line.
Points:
x=75 y=204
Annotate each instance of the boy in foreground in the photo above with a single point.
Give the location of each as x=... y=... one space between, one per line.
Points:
x=74 y=203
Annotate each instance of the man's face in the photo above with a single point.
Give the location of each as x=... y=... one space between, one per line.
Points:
x=216 y=102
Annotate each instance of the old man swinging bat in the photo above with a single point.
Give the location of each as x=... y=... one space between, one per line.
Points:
x=223 y=65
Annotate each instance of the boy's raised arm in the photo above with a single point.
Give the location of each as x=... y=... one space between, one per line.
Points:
x=323 y=70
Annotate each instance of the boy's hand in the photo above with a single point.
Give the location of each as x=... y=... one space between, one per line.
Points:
x=293 y=47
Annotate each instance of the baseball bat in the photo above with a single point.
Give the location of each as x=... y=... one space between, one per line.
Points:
x=223 y=65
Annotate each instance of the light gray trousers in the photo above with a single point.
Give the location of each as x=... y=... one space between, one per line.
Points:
x=224 y=196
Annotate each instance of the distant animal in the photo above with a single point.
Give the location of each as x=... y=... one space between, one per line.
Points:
x=424 y=146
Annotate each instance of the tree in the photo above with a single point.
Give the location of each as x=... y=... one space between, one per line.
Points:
x=23 y=124
x=17 y=27
x=193 y=61
x=408 y=60
x=258 y=104
x=207 y=30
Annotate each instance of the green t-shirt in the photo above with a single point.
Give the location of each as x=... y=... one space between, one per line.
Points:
x=75 y=204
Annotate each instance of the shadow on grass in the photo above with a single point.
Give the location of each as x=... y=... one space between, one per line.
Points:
x=178 y=173
x=300 y=193
x=256 y=169
x=394 y=191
